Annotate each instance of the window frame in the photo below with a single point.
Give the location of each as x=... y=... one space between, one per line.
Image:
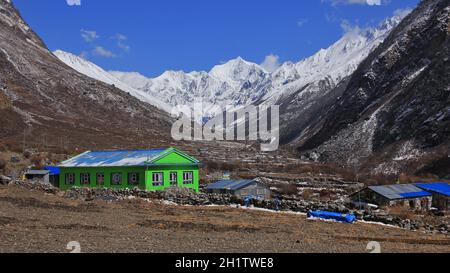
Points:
x=188 y=181
x=158 y=183
x=83 y=180
x=72 y=175
x=97 y=181
x=136 y=183
x=173 y=182
x=115 y=174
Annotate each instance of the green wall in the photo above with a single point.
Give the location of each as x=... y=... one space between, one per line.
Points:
x=145 y=177
x=107 y=171
x=171 y=160
x=167 y=170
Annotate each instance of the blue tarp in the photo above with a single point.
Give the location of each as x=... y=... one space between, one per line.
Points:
x=345 y=218
x=53 y=170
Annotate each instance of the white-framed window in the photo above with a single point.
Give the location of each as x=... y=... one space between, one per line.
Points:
x=133 y=179
x=188 y=178
x=158 y=179
x=116 y=179
x=85 y=179
x=173 y=178
x=70 y=179
x=100 y=179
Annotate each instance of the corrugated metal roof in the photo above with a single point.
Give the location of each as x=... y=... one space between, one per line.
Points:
x=400 y=191
x=37 y=172
x=440 y=187
x=53 y=170
x=232 y=185
x=113 y=159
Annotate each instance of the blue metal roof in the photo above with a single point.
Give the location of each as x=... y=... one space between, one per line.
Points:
x=53 y=170
x=232 y=185
x=113 y=159
x=440 y=187
x=394 y=192
x=415 y=194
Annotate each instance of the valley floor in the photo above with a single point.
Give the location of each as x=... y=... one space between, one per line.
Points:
x=35 y=222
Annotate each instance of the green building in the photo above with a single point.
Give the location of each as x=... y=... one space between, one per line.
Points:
x=147 y=169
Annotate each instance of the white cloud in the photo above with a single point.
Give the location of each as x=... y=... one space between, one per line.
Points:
x=121 y=39
x=359 y=2
x=349 y=28
x=402 y=13
x=84 y=55
x=73 y=2
x=89 y=35
x=103 y=52
x=302 y=22
x=354 y=29
x=271 y=63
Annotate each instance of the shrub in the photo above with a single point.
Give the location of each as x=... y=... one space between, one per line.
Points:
x=402 y=212
x=2 y=164
x=288 y=189
x=27 y=154
x=307 y=194
x=212 y=165
x=37 y=161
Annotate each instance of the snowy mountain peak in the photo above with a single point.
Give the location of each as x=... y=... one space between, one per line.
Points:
x=239 y=82
x=94 y=71
x=238 y=71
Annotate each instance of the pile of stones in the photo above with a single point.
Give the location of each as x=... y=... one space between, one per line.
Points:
x=35 y=185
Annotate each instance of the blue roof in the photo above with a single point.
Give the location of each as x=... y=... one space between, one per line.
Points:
x=230 y=185
x=402 y=191
x=53 y=170
x=415 y=194
x=113 y=159
x=440 y=187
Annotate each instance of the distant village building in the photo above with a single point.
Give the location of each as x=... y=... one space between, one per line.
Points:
x=441 y=194
x=407 y=195
x=54 y=175
x=241 y=189
x=42 y=175
x=147 y=169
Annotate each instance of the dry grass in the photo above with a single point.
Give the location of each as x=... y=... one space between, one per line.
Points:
x=288 y=189
x=402 y=212
x=139 y=226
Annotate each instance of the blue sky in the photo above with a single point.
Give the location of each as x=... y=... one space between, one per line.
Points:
x=153 y=36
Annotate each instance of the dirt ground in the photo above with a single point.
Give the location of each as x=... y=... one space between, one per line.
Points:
x=35 y=222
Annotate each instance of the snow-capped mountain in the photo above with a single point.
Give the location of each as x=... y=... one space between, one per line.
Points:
x=233 y=83
x=394 y=112
x=93 y=71
x=239 y=82
x=334 y=63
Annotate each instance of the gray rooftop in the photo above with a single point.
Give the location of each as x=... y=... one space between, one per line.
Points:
x=232 y=185
x=404 y=191
x=37 y=172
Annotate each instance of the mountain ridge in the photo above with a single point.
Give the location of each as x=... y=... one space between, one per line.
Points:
x=45 y=101
x=239 y=83
x=394 y=113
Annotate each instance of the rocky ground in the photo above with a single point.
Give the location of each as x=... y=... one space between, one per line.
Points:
x=41 y=220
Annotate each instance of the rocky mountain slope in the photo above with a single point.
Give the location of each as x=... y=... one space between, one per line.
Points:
x=42 y=99
x=394 y=112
